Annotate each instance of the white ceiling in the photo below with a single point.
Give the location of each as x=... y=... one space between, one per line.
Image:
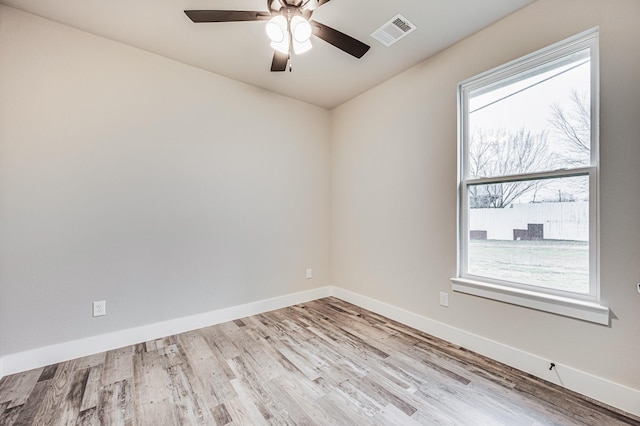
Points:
x=324 y=76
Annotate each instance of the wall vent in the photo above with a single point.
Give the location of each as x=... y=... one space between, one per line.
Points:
x=393 y=30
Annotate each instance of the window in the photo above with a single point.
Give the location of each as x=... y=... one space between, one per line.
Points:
x=528 y=147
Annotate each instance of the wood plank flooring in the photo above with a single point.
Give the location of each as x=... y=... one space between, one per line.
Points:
x=325 y=362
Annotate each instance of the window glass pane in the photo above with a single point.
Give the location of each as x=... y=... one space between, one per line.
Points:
x=534 y=121
x=533 y=232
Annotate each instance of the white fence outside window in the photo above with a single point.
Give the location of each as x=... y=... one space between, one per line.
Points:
x=568 y=221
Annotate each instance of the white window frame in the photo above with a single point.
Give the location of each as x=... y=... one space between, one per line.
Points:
x=585 y=307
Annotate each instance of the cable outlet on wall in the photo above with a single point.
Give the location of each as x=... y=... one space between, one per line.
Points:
x=444 y=299
x=309 y=273
x=100 y=308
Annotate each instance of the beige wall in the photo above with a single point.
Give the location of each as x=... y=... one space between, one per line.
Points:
x=394 y=189
x=163 y=189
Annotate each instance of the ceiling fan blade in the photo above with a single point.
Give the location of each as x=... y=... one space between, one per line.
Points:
x=279 y=61
x=340 y=40
x=226 y=15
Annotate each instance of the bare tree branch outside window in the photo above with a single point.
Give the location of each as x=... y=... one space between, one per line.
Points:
x=573 y=126
x=502 y=153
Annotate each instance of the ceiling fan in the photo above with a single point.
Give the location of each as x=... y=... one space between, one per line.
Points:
x=289 y=27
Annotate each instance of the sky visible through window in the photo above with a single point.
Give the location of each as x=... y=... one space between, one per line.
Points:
x=527 y=104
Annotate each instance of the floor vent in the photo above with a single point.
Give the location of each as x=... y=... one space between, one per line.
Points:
x=393 y=30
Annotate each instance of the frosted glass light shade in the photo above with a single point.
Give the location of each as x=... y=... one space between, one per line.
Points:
x=277 y=31
x=277 y=28
x=301 y=29
x=299 y=48
x=301 y=33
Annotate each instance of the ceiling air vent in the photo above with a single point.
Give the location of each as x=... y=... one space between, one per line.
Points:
x=392 y=31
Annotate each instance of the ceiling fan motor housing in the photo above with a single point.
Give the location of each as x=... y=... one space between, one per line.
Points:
x=276 y=6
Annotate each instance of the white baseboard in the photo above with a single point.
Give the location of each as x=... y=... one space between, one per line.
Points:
x=40 y=357
x=611 y=393
x=614 y=394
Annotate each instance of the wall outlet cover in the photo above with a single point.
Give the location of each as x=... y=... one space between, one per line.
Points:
x=99 y=308
x=444 y=299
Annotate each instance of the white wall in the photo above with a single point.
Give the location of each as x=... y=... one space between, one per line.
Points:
x=163 y=189
x=394 y=189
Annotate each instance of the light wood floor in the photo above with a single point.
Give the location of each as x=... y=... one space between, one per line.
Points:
x=323 y=362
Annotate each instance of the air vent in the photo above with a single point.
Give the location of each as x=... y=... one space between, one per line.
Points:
x=392 y=31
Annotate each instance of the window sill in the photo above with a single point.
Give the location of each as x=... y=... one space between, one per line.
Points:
x=587 y=311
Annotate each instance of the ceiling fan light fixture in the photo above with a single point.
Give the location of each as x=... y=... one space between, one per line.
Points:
x=277 y=29
x=300 y=34
x=301 y=29
x=299 y=48
x=282 y=47
x=278 y=33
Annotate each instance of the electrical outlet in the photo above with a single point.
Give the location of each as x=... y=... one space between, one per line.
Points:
x=100 y=308
x=309 y=273
x=444 y=299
